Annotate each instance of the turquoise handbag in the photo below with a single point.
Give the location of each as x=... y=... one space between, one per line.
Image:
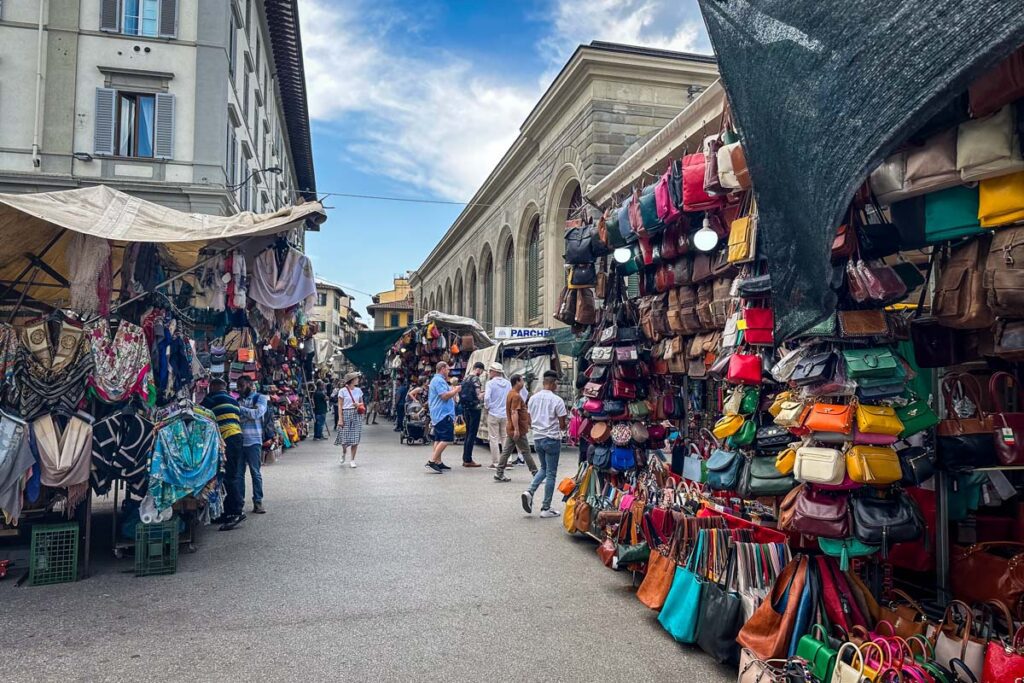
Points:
x=845 y=548
x=682 y=604
x=951 y=214
x=916 y=416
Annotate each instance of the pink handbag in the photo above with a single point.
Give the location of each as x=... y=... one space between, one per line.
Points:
x=667 y=211
x=872 y=439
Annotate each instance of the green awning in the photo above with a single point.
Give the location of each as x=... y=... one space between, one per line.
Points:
x=370 y=350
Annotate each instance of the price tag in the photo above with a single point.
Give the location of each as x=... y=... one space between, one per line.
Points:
x=1008 y=437
x=741 y=324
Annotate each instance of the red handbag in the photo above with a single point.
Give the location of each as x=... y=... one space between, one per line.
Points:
x=1008 y=427
x=744 y=368
x=1004 y=661
x=760 y=325
x=670 y=243
x=667 y=211
x=695 y=198
x=623 y=390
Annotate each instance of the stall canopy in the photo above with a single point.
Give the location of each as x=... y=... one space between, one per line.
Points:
x=460 y=325
x=36 y=229
x=822 y=92
x=370 y=350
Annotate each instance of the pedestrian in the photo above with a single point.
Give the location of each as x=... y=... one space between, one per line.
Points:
x=471 y=398
x=252 y=406
x=517 y=426
x=371 y=412
x=441 y=398
x=495 y=394
x=350 y=426
x=225 y=409
x=548 y=417
x=319 y=412
x=400 y=397
x=334 y=403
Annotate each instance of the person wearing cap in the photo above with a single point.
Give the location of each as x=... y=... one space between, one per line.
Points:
x=350 y=425
x=548 y=419
x=471 y=398
x=495 y=394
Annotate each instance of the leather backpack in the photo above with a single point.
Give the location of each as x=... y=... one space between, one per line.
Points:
x=1004 y=273
x=960 y=297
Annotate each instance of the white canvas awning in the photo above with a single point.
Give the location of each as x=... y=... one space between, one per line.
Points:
x=38 y=225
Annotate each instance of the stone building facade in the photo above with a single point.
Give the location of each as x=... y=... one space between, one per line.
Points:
x=501 y=261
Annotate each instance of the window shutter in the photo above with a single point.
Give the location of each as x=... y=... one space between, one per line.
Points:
x=103 y=125
x=163 y=145
x=168 y=19
x=110 y=13
x=533 y=275
x=510 y=287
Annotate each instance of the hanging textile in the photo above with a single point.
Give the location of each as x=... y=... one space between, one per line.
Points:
x=212 y=288
x=120 y=450
x=46 y=379
x=15 y=460
x=8 y=354
x=239 y=278
x=186 y=456
x=88 y=272
x=64 y=455
x=808 y=78
x=120 y=365
x=275 y=289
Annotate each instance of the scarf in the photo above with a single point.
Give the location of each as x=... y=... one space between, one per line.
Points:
x=8 y=354
x=185 y=458
x=64 y=456
x=15 y=459
x=272 y=289
x=46 y=380
x=120 y=450
x=89 y=273
x=121 y=365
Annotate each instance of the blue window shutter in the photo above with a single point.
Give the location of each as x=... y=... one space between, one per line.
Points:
x=103 y=125
x=168 y=26
x=163 y=143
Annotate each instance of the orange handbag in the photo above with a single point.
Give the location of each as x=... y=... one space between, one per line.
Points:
x=829 y=417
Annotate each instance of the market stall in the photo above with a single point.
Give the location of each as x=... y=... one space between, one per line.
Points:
x=826 y=484
x=117 y=314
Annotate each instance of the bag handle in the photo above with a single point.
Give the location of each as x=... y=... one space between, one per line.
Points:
x=993 y=388
x=908 y=600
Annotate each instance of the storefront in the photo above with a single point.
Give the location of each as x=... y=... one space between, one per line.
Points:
x=118 y=313
x=833 y=497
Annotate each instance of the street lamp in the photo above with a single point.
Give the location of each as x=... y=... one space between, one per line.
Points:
x=276 y=170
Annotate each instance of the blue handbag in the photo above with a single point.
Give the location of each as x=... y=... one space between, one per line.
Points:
x=623 y=458
x=682 y=604
x=724 y=470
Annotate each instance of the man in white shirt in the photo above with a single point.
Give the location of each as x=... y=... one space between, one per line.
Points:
x=495 y=392
x=548 y=418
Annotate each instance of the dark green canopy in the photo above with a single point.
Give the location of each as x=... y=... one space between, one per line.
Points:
x=369 y=351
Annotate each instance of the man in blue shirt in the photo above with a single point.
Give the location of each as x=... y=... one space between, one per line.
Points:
x=252 y=405
x=441 y=398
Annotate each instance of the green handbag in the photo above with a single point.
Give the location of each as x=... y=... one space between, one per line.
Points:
x=916 y=417
x=632 y=266
x=638 y=409
x=873 y=362
x=745 y=435
x=649 y=211
x=615 y=238
x=751 y=398
x=760 y=477
x=826 y=328
x=820 y=658
x=951 y=214
x=845 y=548
x=870 y=382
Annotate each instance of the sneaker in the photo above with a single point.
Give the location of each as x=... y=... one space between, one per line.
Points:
x=434 y=466
x=443 y=466
x=257 y=508
x=502 y=478
x=527 y=499
x=343 y=459
x=493 y=465
x=352 y=464
x=231 y=521
x=549 y=513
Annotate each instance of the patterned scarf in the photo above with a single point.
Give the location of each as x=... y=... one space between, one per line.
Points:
x=121 y=365
x=185 y=459
x=89 y=273
x=64 y=457
x=120 y=450
x=8 y=354
x=46 y=381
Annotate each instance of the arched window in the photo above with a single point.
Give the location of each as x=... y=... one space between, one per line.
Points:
x=448 y=306
x=488 y=281
x=575 y=202
x=509 y=308
x=432 y=307
x=533 y=271
x=458 y=295
x=471 y=290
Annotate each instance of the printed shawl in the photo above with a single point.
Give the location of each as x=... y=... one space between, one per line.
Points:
x=15 y=459
x=185 y=458
x=46 y=380
x=64 y=456
x=120 y=450
x=273 y=290
x=121 y=364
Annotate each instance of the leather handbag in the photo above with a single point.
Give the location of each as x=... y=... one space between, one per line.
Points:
x=870 y=362
x=844 y=549
x=721 y=616
x=600 y=432
x=852 y=671
x=602 y=355
x=878 y=420
x=951 y=214
x=1004 y=275
x=744 y=368
x=586 y=307
x=819 y=465
x=916 y=416
x=739 y=164
x=785 y=461
x=593 y=389
x=819 y=654
x=1009 y=340
x=792 y=413
x=661 y=566
x=884 y=521
x=954 y=640
x=907 y=618
x=754 y=287
x=932 y=166
x=760 y=323
x=1008 y=428
x=723 y=470
x=760 y=478
x=620 y=433
x=601 y=456
x=668 y=212
x=862 y=324
x=679 y=614
x=771 y=439
x=917 y=465
x=999 y=86
x=819 y=513
x=876 y=465
x=988 y=147
x=828 y=417
x=742 y=247
x=960 y=298
x=1004 y=660
x=728 y=425
x=767 y=633
x=744 y=436
x=988 y=571
x=695 y=197
x=577 y=245
x=964 y=442
x=626 y=354
x=814 y=368
x=623 y=390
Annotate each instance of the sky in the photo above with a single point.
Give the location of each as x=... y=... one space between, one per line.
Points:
x=419 y=99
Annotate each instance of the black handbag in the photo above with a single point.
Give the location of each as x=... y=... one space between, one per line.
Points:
x=601 y=456
x=578 y=245
x=760 y=477
x=771 y=439
x=814 y=368
x=628 y=334
x=917 y=464
x=759 y=285
x=583 y=275
x=884 y=521
x=721 y=616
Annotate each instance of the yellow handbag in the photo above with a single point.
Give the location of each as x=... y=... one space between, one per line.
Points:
x=569 y=515
x=878 y=420
x=460 y=427
x=743 y=238
x=791 y=414
x=1000 y=200
x=727 y=425
x=873 y=465
x=777 y=402
x=786 y=460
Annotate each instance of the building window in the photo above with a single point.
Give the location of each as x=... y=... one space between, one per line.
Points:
x=321 y=299
x=533 y=271
x=509 y=309
x=232 y=159
x=488 y=282
x=245 y=98
x=232 y=47
x=458 y=297
x=140 y=17
x=395 y=320
x=337 y=304
x=471 y=286
x=135 y=129
x=337 y=331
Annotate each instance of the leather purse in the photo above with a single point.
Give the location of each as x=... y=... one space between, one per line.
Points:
x=876 y=465
x=721 y=615
x=999 y=86
x=916 y=417
x=593 y=390
x=917 y=465
x=1009 y=340
x=744 y=436
x=759 y=477
x=623 y=390
x=786 y=460
x=954 y=640
x=844 y=549
x=602 y=355
x=885 y=521
x=577 y=245
x=828 y=417
x=817 y=513
x=907 y=618
x=960 y=298
x=1008 y=428
x=819 y=465
x=742 y=246
x=1004 y=276
x=770 y=439
x=964 y=442
x=600 y=432
x=1003 y=660
x=723 y=470
x=728 y=425
x=682 y=604
x=754 y=287
x=792 y=413
x=626 y=354
x=951 y=214
x=870 y=362
x=878 y=420
x=863 y=324
x=988 y=147
x=932 y=166
x=814 y=368
x=988 y=571
x=744 y=368
x=695 y=197
x=760 y=323
x=767 y=633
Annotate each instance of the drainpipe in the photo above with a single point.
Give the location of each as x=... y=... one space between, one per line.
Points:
x=36 y=159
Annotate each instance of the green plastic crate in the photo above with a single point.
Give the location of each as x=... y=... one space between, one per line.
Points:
x=53 y=557
x=156 y=548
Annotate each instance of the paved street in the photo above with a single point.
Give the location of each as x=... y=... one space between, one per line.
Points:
x=385 y=572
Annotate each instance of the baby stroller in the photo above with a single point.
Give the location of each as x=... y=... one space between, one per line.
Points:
x=416 y=426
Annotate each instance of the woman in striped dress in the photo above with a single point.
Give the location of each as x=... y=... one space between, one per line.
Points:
x=350 y=420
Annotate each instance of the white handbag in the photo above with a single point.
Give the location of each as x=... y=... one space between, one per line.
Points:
x=887 y=180
x=786 y=365
x=849 y=673
x=726 y=175
x=988 y=147
x=932 y=167
x=791 y=414
x=732 y=403
x=731 y=333
x=819 y=465
x=948 y=647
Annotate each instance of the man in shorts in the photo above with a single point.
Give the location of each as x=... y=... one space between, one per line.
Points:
x=441 y=397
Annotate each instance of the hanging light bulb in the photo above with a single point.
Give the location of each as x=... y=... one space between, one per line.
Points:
x=622 y=255
x=705 y=239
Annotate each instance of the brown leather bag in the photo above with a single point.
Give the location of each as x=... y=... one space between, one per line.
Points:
x=586 y=307
x=978 y=574
x=960 y=297
x=582 y=515
x=907 y=617
x=768 y=631
x=720 y=301
x=705 y=298
x=998 y=87
x=687 y=321
x=857 y=324
x=1009 y=340
x=1004 y=273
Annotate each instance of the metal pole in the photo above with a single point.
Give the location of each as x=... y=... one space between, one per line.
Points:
x=31 y=265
